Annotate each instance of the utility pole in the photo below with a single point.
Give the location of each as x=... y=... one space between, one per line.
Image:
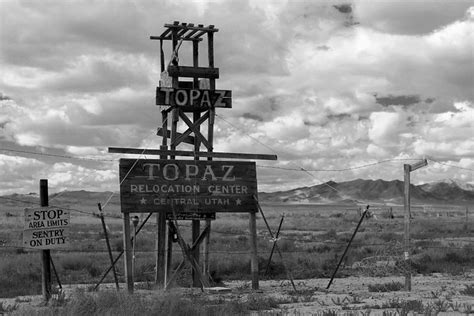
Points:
x=407 y=169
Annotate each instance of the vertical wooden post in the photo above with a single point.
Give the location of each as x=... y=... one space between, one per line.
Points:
x=127 y=246
x=196 y=227
x=253 y=249
x=407 y=170
x=206 y=246
x=161 y=259
x=210 y=139
x=45 y=254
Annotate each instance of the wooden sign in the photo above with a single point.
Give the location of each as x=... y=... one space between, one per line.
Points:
x=194 y=99
x=191 y=216
x=46 y=228
x=153 y=185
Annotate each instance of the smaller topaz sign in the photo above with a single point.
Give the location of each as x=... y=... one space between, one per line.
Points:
x=46 y=228
x=149 y=185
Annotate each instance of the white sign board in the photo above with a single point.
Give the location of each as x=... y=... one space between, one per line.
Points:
x=46 y=228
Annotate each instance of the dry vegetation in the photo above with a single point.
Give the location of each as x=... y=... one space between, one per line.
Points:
x=312 y=239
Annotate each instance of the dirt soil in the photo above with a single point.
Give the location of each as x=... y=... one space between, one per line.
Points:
x=312 y=298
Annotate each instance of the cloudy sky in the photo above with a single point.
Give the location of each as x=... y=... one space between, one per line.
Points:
x=326 y=85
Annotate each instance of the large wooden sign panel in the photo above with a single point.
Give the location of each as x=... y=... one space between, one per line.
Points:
x=153 y=185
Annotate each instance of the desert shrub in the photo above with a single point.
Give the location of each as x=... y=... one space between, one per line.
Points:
x=78 y=262
x=20 y=275
x=403 y=307
x=468 y=290
x=260 y=302
x=330 y=234
x=231 y=266
x=123 y=304
x=286 y=245
x=385 y=287
x=453 y=262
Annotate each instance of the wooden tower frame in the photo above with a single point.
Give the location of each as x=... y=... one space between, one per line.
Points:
x=183 y=98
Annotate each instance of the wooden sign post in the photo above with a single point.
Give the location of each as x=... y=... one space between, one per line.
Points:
x=187 y=189
x=407 y=169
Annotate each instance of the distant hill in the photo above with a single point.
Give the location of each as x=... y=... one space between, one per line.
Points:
x=360 y=190
x=355 y=191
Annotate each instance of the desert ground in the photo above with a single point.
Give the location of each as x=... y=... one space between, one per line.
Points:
x=312 y=240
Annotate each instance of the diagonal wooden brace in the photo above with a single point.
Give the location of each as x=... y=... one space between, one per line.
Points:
x=188 y=255
x=192 y=128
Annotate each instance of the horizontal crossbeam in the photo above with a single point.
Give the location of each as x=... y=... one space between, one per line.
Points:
x=193 y=72
x=146 y=151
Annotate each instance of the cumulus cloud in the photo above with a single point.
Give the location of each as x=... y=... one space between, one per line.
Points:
x=323 y=84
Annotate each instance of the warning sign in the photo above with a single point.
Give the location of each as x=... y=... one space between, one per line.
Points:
x=46 y=228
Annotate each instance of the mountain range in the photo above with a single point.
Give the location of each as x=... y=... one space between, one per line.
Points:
x=350 y=192
x=360 y=190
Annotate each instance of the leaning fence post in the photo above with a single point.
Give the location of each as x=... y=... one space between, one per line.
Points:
x=347 y=248
x=108 y=245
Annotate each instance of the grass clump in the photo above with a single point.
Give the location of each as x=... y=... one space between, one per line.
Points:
x=82 y=303
x=468 y=290
x=20 y=275
x=386 y=287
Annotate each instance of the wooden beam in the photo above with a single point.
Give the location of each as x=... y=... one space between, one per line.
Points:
x=146 y=151
x=210 y=28
x=193 y=72
x=168 y=38
x=187 y=139
x=193 y=128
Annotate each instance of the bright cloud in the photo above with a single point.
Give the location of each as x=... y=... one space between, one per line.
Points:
x=323 y=84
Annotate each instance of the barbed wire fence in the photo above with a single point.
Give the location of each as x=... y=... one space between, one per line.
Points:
x=384 y=259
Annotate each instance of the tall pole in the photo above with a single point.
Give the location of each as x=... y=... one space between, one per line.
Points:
x=196 y=224
x=45 y=254
x=407 y=169
x=128 y=252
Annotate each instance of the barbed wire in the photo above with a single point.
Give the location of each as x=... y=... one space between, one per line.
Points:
x=54 y=155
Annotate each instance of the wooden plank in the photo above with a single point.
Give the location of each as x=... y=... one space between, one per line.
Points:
x=192 y=99
x=186 y=85
x=127 y=245
x=253 y=250
x=191 y=216
x=193 y=128
x=192 y=72
x=153 y=185
x=407 y=169
x=210 y=28
x=184 y=153
x=187 y=139
x=168 y=38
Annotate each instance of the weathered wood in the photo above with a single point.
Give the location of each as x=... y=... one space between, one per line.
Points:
x=161 y=248
x=210 y=28
x=45 y=254
x=127 y=246
x=183 y=153
x=193 y=127
x=192 y=72
x=192 y=216
x=407 y=169
x=109 y=249
x=195 y=232
x=164 y=38
x=194 y=99
x=153 y=185
x=253 y=250
x=186 y=139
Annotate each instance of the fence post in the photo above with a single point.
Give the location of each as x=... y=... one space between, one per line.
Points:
x=46 y=253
